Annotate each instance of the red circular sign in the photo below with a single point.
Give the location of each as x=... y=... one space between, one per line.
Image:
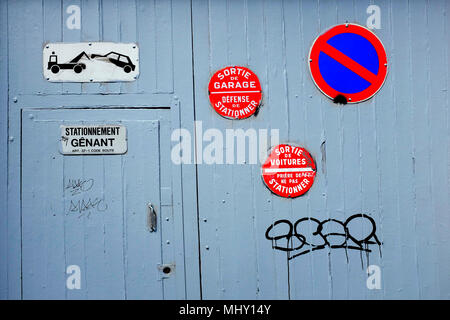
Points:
x=289 y=171
x=235 y=92
x=348 y=61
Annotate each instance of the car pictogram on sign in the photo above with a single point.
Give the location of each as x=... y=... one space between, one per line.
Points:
x=348 y=63
x=118 y=59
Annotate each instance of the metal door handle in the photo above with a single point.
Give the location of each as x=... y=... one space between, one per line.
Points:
x=151 y=218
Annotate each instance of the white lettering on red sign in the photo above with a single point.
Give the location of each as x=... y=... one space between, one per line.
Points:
x=289 y=171
x=235 y=92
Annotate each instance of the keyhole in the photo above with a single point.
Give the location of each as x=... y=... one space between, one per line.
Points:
x=167 y=270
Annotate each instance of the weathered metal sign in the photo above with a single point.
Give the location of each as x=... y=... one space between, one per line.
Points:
x=93 y=139
x=348 y=63
x=235 y=92
x=90 y=62
x=289 y=171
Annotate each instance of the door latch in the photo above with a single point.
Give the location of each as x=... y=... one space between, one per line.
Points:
x=151 y=218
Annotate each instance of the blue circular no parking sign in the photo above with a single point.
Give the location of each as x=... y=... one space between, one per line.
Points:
x=348 y=62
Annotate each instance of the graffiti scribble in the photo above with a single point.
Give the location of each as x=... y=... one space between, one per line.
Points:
x=77 y=186
x=83 y=205
x=310 y=234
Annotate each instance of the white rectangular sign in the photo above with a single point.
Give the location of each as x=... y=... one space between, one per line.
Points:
x=94 y=139
x=90 y=62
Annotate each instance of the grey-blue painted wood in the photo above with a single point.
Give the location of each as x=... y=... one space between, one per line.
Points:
x=4 y=292
x=387 y=157
x=110 y=273
x=379 y=157
x=111 y=243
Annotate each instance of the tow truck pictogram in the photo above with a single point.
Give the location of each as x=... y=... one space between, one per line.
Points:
x=77 y=67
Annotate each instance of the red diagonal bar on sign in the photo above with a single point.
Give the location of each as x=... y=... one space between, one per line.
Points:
x=348 y=63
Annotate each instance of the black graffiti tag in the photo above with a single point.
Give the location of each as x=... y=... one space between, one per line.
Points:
x=310 y=234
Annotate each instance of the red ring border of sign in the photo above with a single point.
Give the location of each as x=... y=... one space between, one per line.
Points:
x=269 y=153
x=321 y=83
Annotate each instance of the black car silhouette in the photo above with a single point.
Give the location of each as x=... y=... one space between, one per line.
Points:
x=120 y=60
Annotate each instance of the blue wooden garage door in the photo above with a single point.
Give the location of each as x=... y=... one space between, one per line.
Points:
x=91 y=211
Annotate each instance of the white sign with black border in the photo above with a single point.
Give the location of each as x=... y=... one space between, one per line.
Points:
x=93 y=139
x=90 y=62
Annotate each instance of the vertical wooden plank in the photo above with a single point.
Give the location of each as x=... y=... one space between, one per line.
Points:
x=438 y=20
x=276 y=112
x=355 y=262
x=142 y=171
x=128 y=33
x=164 y=49
x=42 y=233
x=421 y=60
x=242 y=215
x=368 y=187
x=201 y=52
x=28 y=45
x=185 y=191
x=315 y=129
x=3 y=146
x=213 y=50
x=52 y=28
x=301 y=286
x=146 y=39
x=74 y=235
x=271 y=284
x=401 y=74
x=90 y=31
x=387 y=153
x=15 y=76
x=110 y=32
x=103 y=229
x=333 y=261
x=72 y=35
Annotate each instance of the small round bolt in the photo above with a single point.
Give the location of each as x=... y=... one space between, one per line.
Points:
x=349 y=99
x=205 y=220
x=11 y=139
x=167 y=219
x=30 y=116
x=15 y=99
x=223 y=201
x=207 y=247
x=167 y=242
